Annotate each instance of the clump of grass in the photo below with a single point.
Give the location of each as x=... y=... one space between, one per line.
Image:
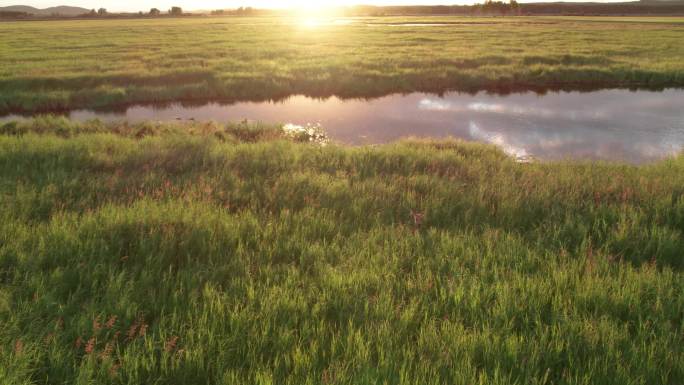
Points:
x=307 y=133
x=185 y=258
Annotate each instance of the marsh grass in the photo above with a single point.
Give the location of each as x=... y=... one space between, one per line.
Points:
x=59 y=65
x=178 y=257
x=243 y=131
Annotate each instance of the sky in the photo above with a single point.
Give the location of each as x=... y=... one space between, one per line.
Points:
x=144 y=5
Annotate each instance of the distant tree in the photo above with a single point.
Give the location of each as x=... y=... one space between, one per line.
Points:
x=155 y=12
x=492 y=7
x=176 y=11
x=514 y=7
x=242 y=11
x=92 y=12
x=102 y=11
x=218 y=12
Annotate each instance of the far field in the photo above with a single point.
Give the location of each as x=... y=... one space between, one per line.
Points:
x=69 y=64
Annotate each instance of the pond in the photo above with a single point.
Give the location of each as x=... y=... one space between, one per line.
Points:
x=620 y=125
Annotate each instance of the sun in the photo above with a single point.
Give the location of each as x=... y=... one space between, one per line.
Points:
x=311 y=22
x=312 y=14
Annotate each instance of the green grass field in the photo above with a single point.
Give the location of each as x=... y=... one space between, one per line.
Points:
x=210 y=254
x=105 y=63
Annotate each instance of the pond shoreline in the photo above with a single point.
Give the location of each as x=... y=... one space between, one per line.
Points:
x=501 y=90
x=620 y=125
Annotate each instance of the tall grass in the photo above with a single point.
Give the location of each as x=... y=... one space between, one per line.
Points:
x=183 y=257
x=105 y=63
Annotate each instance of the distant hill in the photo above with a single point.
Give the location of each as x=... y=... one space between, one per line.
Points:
x=62 y=10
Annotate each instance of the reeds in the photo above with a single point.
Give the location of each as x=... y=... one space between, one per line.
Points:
x=184 y=258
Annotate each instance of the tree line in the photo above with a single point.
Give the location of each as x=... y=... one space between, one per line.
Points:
x=494 y=8
x=173 y=11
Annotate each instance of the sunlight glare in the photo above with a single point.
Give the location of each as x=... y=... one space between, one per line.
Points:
x=311 y=22
x=312 y=14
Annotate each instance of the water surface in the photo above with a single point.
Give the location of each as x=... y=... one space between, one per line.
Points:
x=621 y=125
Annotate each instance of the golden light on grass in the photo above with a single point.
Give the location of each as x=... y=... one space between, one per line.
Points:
x=311 y=22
